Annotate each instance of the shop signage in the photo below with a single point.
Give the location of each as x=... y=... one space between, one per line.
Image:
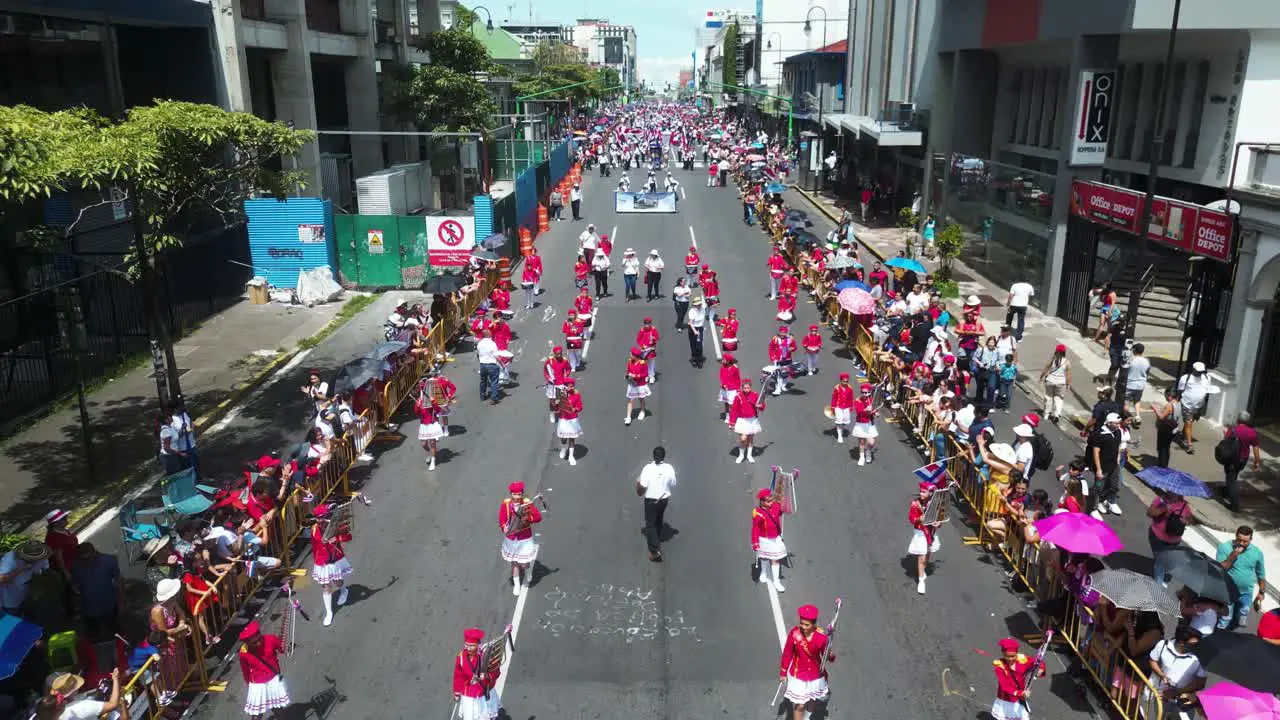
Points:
x=1190 y=228
x=1094 y=99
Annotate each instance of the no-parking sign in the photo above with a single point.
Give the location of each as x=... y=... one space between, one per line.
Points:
x=450 y=240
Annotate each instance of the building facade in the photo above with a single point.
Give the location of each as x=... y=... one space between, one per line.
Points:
x=782 y=34
x=608 y=45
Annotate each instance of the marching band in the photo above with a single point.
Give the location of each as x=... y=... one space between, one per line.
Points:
x=924 y=539
x=331 y=565
x=803 y=664
x=766 y=538
x=516 y=518
x=474 y=680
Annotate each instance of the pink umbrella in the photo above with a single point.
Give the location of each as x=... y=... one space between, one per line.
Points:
x=856 y=301
x=1077 y=532
x=755 y=156
x=1229 y=701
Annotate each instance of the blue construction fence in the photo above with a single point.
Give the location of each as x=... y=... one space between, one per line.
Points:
x=532 y=186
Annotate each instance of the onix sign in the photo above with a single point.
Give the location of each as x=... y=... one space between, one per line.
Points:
x=1094 y=100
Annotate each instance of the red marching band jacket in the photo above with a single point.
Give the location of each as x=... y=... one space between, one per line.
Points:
x=501 y=335
x=765 y=523
x=842 y=396
x=556 y=371
x=692 y=260
x=327 y=552
x=1010 y=682
x=914 y=514
x=580 y=270
x=789 y=285
x=534 y=263
x=571 y=408
x=262 y=665
x=711 y=288
x=811 y=342
x=777 y=265
x=465 y=669
x=446 y=386
x=647 y=337
x=428 y=412
x=864 y=410
x=730 y=377
x=744 y=405
x=583 y=305
x=528 y=274
x=801 y=657
x=781 y=347
x=637 y=371
x=533 y=514
x=729 y=328
x=572 y=329
x=500 y=299
x=786 y=303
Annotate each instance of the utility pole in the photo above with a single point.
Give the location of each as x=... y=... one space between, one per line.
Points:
x=163 y=362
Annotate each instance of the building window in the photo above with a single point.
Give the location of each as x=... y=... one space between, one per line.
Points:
x=1201 y=80
x=1130 y=80
x=1173 y=114
x=1151 y=98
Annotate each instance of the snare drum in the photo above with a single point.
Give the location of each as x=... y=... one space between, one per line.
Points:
x=730 y=344
x=649 y=353
x=580 y=283
x=527 y=285
x=690 y=270
x=508 y=314
x=769 y=369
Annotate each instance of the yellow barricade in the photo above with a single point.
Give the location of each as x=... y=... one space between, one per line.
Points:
x=178 y=668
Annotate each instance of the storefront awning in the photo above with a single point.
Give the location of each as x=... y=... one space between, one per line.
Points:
x=841 y=121
x=888 y=134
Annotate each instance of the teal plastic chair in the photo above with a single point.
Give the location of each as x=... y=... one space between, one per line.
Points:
x=182 y=496
x=137 y=526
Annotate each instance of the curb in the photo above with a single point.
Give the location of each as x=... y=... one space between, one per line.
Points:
x=835 y=219
x=83 y=516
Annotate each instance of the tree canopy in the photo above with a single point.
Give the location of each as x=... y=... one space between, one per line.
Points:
x=547 y=54
x=446 y=95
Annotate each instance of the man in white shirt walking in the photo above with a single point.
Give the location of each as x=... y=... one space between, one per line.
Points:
x=487 y=355
x=575 y=201
x=654 y=485
x=1020 y=294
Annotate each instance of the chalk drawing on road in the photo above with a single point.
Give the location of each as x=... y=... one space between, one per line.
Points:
x=628 y=612
x=547 y=313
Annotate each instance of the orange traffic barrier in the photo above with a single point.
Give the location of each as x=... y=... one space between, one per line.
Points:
x=526 y=242
x=504 y=269
x=544 y=222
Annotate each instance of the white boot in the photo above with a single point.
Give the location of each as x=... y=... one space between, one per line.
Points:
x=627 y=419
x=777 y=576
x=432 y=464
x=572 y=459
x=564 y=451
x=552 y=418
x=342 y=596
x=764 y=570
x=742 y=455
x=862 y=457
x=515 y=581
x=328 y=608
x=751 y=453
x=920 y=585
x=839 y=435
x=641 y=414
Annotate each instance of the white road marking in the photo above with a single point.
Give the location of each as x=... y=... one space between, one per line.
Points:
x=595 y=325
x=777 y=613
x=515 y=630
x=715 y=338
x=693 y=238
x=613 y=235
x=106 y=518
x=683 y=196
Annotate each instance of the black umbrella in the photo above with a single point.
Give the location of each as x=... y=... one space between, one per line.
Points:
x=494 y=241
x=1133 y=591
x=1242 y=658
x=443 y=284
x=1198 y=572
x=794 y=213
x=384 y=350
x=356 y=373
x=804 y=238
x=482 y=254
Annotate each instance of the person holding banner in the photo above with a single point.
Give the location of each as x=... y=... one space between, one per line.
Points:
x=331 y=565
x=516 y=517
x=766 y=538
x=864 y=427
x=842 y=406
x=801 y=666
x=925 y=540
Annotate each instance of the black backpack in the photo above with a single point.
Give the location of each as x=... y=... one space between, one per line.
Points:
x=1042 y=452
x=1227 y=451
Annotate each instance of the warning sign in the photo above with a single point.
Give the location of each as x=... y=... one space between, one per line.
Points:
x=375 y=242
x=450 y=240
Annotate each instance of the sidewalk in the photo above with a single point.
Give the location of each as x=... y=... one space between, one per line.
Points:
x=229 y=356
x=1259 y=507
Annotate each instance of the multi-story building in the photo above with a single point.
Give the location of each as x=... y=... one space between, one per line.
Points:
x=716 y=30
x=608 y=45
x=782 y=34
x=1037 y=129
x=531 y=36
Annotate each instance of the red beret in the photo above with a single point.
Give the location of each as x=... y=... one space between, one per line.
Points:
x=866 y=387
x=1009 y=645
x=1031 y=419
x=808 y=612
x=250 y=631
x=472 y=635
x=926 y=485
x=570 y=382
x=763 y=493
x=267 y=461
x=844 y=376
x=557 y=349
x=813 y=327
x=728 y=357
x=516 y=487
x=647 y=321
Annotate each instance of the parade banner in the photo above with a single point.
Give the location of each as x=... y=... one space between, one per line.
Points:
x=660 y=202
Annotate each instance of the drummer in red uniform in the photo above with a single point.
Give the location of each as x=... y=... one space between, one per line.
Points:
x=812 y=345
x=730 y=381
x=473 y=686
x=637 y=383
x=573 y=339
x=864 y=424
x=711 y=290
x=518 y=547
x=691 y=261
x=766 y=538
x=744 y=418
x=777 y=265
x=647 y=339
x=924 y=541
x=842 y=406
x=501 y=333
x=729 y=325
x=781 y=348
x=500 y=300
x=1012 y=670
x=529 y=282
x=802 y=666
x=331 y=566
x=260 y=665
x=569 y=428
x=555 y=370
x=789 y=284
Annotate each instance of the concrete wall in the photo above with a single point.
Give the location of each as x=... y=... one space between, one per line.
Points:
x=893 y=52
x=1207 y=14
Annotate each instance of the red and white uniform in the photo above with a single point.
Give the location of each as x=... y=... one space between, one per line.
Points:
x=704 y=275
x=1010 y=682
x=786 y=307
x=518 y=547
x=744 y=416
x=925 y=539
x=730 y=381
x=781 y=348
x=729 y=333
x=567 y=425
x=802 y=665
x=691 y=262
x=528 y=276
x=580 y=271
x=573 y=331
x=472 y=703
x=429 y=425
x=864 y=417
x=448 y=391
x=842 y=397
x=789 y=285
x=812 y=342
x=766 y=532
x=500 y=300
x=647 y=339
x=534 y=263
x=331 y=564
x=555 y=371
x=777 y=265
x=480 y=323
x=501 y=333
x=261 y=670
x=585 y=308
x=637 y=379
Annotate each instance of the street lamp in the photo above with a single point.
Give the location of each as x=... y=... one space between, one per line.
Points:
x=768 y=44
x=488 y=17
x=822 y=89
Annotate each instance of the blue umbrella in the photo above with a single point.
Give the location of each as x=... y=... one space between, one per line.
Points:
x=17 y=637
x=846 y=284
x=773 y=188
x=494 y=241
x=756 y=145
x=906 y=264
x=1176 y=481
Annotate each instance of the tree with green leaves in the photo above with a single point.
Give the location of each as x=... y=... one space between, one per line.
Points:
x=949 y=243
x=446 y=95
x=548 y=53
x=729 y=58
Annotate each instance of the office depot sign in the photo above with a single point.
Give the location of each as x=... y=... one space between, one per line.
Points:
x=1190 y=228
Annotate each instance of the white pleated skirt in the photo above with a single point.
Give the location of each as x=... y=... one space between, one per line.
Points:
x=803 y=691
x=772 y=549
x=270 y=695
x=637 y=391
x=920 y=544
x=865 y=430
x=747 y=426
x=519 y=551
x=844 y=416
x=333 y=572
x=478 y=708
x=727 y=396
x=1008 y=710
x=568 y=428
x=431 y=431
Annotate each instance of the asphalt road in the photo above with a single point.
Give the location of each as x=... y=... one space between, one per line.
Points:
x=603 y=632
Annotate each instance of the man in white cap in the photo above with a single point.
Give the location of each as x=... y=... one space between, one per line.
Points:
x=1104 y=459
x=1195 y=392
x=1025 y=449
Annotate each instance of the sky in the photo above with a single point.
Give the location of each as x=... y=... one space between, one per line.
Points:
x=664 y=28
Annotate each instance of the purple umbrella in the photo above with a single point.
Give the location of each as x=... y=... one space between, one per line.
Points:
x=1080 y=533
x=1229 y=701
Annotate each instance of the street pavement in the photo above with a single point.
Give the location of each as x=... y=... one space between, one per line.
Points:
x=603 y=632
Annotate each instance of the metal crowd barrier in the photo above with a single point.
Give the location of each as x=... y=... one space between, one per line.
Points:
x=182 y=667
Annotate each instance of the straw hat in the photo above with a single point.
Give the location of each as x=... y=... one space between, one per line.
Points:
x=32 y=551
x=155 y=545
x=166 y=589
x=697 y=300
x=66 y=684
x=1004 y=453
